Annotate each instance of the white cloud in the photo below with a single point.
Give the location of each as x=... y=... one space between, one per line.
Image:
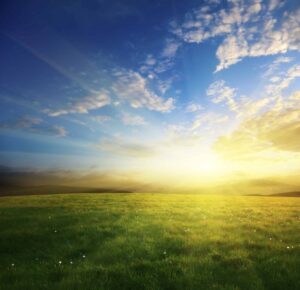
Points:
x=282 y=82
x=209 y=119
x=193 y=107
x=266 y=41
x=101 y=118
x=132 y=120
x=232 y=50
x=83 y=106
x=220 y=92
x=131 y=87
x=171 y=48
x=274 y=66
x=273 y=4
x=247 y=27
x=150 y=60
x=58 y=131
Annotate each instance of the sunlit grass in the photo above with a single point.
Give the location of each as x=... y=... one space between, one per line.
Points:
x=149 y=241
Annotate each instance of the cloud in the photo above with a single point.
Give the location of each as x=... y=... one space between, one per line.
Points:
x=27 y=122
x=232 y=50
x=53 y=130
x=283 y=81
x=83 y=106
x=209 y=119
x=35 y=125
x=248 y=30
x=131 y=87
x=133 y=120
x=193 y=107
x=150 y=60
x=275 y=65
x=171 y=48
x=220 y=92
x=267 y=41
x=248 y=107
x=101 y=118
x=125 y=148
x=273 y=4
x=275 y=129
x=164 y=61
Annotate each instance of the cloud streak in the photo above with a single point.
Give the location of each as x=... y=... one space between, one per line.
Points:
x=35 y=125
x=82 y=106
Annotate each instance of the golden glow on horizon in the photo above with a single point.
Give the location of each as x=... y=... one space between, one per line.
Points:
x=191 y=165
x=196 y=166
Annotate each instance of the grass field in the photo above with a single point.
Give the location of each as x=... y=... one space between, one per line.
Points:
x=149 y=241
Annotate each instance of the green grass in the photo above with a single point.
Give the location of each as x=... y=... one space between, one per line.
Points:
x=149 y=241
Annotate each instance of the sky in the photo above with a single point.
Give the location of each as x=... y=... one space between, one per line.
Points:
x=180 y=93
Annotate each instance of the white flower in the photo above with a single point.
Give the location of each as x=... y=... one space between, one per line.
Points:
x=83 y=256
x=59 y=262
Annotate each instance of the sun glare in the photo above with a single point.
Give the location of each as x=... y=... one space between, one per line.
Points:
x=189 y=164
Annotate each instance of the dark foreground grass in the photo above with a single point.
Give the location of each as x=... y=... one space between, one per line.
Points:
x=149 y=241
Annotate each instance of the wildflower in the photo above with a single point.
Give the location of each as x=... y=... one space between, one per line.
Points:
x=83 y=256
x=165 y=252
x=71 y=262
x=12 y=264
x=59 y=262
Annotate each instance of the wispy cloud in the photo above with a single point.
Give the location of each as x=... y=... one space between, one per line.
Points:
x=133 y=88
x=101 y=118
x=35 y=125
x=125 y=148
x=281 y=81
x=82 y=106
x=220 y=92
x=171 y=48
x=275 y=65
x=132 y=120
x=275 y=129
x=193 y=107
x=209 y=119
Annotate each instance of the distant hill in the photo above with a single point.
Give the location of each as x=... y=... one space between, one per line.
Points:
x=280 y=194
x=287 y=194
x=44 y=189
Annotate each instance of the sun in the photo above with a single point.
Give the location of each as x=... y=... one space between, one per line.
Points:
x=187 y=164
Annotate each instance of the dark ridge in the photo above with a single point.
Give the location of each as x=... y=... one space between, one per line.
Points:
x=287 y=194
x=44 y=189
x=280 y=194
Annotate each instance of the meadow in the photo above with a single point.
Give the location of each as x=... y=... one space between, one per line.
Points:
x=149 y=241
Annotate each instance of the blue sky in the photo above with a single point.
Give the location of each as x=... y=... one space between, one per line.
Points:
x=113 y=85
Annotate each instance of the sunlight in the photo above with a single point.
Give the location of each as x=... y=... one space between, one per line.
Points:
x=189 y=164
